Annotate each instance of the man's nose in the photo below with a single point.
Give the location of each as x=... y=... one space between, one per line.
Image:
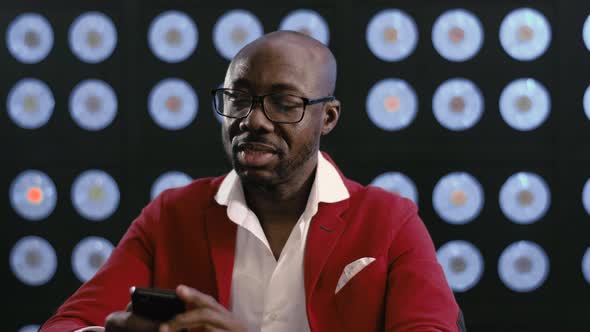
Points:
x=257 y=120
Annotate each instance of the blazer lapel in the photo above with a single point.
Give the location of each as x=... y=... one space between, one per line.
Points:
x=324 y=232
x=222 y=244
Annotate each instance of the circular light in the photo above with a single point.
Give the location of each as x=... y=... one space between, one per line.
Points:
x=523 y=266
x=233 y=30
x=524 y=198
x=30 y=103
x=457 y=104
x=586 y=32
x=392 y=104
x=95 y=195
x=29 y=38
x=397 y=183
x=586 y=265
x=586 y=196
x=525 y=104
x=525 y=34
x=457 y=35
x=392 y=35
x=93 y=104
x=173 y=36
x=33 y=195
x=307 y=22
x=587 y=102
x=89 y=255
x=173 y=179
x=458 y=198
x=462 y=263
x=92 y=37
x=173 y=104
x=33 y=260
x=29 y=328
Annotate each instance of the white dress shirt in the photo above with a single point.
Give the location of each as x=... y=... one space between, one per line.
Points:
x=266 y=294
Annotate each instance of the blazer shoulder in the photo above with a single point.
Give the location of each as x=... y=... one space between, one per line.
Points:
x=381 y=201
x=197 y=194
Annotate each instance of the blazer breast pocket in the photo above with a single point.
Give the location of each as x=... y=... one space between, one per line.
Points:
x=360 y=292
x=362 y=274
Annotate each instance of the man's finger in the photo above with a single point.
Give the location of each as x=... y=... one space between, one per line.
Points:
x=209 y=328
x=127 y=321
x=199 y=317
x=192 y=296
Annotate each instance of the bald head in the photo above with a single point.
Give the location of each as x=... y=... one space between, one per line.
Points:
x=299 y=49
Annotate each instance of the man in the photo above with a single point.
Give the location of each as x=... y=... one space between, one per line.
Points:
x=284 y=242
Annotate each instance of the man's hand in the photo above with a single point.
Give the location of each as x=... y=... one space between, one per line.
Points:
x=126 y=321
x=208 y=314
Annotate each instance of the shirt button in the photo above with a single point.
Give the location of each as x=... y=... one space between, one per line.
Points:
x=273 y=316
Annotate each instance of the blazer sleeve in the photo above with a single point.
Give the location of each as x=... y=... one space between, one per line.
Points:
x=130 y=264
x=418 y=297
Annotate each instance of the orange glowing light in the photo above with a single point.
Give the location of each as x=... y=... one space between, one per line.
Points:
x=35 y=195
x=392 y=104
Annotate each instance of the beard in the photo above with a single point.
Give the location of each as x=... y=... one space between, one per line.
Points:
x=288 y=166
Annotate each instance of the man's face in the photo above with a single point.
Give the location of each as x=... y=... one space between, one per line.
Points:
x=263 y=152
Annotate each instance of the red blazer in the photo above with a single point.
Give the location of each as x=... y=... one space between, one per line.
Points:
x=184 y=236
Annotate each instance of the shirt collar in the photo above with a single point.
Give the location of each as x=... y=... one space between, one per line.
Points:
x=327 y=187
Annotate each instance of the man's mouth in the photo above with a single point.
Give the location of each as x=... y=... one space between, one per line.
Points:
x=255 y=154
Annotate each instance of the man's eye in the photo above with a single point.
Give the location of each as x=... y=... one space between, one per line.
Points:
x=288 y=102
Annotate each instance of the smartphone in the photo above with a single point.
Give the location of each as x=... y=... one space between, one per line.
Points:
x=156 y=303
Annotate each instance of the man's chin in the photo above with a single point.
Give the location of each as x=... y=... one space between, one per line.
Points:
x=258 y=177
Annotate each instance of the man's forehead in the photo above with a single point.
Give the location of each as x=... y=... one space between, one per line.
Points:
x=277 y=67
x=286 y=57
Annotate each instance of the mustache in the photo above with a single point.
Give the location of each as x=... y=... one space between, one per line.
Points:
x=255 y=143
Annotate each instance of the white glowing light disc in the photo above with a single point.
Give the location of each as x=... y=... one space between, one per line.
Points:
x=457 y=35
x=233 y=30
x=89 y=255
x=587 y=102
x=95 y=195
x=308 y=22
x=173 y=36
x=525 y=104
x=30 y=103
x=392 y=35
x=173 y=179
x=93 y=37
x=392 y=104
x=33 y=195
x=586 y=196
x=397 y=183
x=525 y=198
x=586 y=265
x=29 y=38
x=525 y=34
x=457 y=104
x=523 y=266
x=462 y=263
x=586 y=32
x=93 y=104
x=33 y=260
x=30 y=328
x=458 y=198
x=173 y=104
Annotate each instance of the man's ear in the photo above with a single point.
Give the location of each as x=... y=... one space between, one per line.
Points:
x=331 y=116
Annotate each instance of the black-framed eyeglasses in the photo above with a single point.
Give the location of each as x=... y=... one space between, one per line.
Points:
x=277 y=107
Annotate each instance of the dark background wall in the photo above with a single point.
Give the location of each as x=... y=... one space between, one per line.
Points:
x=134 y=150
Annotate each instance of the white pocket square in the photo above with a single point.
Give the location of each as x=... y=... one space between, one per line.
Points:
x=351 y=270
